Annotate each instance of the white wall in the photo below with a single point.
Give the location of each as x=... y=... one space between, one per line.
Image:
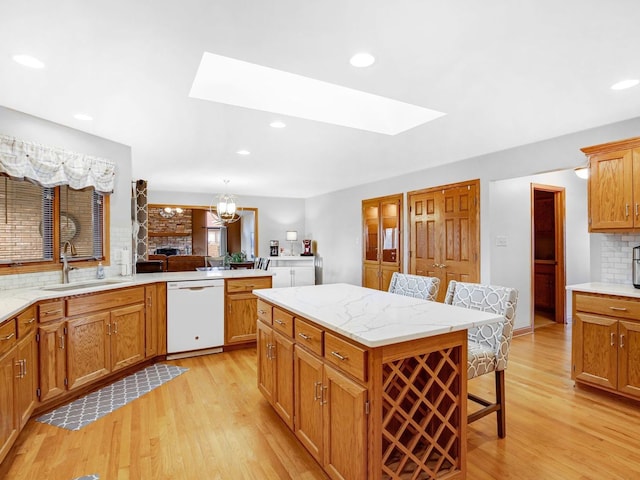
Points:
x=34 y=129
x=510 y=217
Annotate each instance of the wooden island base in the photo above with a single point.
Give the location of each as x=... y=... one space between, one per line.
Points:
x=391 y=412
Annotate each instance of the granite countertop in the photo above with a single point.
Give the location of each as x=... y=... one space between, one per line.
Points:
x=371 y=317
x=15 y=300
x=621 y=289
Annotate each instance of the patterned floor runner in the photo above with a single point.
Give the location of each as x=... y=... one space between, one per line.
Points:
x=96 y=405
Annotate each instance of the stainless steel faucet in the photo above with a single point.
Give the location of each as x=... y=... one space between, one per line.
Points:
x=65 y=263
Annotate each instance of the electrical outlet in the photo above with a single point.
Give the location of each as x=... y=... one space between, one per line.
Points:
x=501 y=241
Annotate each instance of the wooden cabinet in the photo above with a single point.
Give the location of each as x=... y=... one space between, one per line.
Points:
x=606 y=342
x=155 y=319
x=614 y=186
x=381 y=240
x=9 y=421
x=329 y=406
x=275 y=367
x=27 y=376
x=241 y=310
x=545 y=285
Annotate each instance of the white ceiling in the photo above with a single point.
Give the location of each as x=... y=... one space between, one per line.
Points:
x=506 y=73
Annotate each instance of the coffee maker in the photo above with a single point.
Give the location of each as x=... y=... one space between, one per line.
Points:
x=635 y=267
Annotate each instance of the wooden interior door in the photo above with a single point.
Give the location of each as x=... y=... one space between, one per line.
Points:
x=444 y=234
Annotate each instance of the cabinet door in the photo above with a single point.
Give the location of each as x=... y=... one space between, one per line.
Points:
x=629 y=357
x=596 y=350
x=52 y=354
x=636 y=187
x=281 y=276
x=371 y=275
x=345 y=426
x=28 y=377
x=240 y=321
x=308 y=396
x=304 y=276
x=610 y=191
x=8 y=405
x=265 y=365
x=283 y=391
x=88 y=348
x=127 y=336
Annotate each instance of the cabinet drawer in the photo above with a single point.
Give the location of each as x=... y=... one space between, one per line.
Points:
x=53 y=310
x=346 y=356
x=94 y=302
x=7 y=336
x=605 y=305
x=309 y=336
x=265 y=312
x=283 y=322
x=238 y=285
x=26 y=322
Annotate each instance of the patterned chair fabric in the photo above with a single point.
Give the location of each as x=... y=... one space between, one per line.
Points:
x=488 y=345
x=415 y=286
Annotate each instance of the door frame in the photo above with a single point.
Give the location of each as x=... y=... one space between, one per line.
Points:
x=559 y=251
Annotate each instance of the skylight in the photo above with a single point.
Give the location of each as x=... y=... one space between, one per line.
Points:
x=235 y=82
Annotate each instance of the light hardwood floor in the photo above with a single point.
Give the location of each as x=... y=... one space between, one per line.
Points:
x=211 y=423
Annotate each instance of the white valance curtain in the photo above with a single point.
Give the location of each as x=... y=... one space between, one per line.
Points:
x=54 y=166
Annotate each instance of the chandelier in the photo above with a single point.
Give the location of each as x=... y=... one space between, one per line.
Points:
x=224 y=207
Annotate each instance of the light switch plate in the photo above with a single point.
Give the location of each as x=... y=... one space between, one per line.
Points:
x=501 y=241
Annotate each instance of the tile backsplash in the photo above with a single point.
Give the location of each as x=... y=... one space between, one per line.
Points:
x=616 y=255
x=120 y=238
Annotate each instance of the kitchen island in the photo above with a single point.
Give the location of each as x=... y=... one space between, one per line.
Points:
x=373 y=384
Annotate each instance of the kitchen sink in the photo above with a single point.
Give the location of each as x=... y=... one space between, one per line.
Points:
x=77 y=286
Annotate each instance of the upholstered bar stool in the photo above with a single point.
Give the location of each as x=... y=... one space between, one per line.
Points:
x=488 y=345
x=415 y=286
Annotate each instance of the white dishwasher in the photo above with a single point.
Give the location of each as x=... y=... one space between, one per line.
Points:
x=195 y=317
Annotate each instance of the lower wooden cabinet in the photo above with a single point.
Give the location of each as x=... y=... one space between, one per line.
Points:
x=27 y=377
x=241 y=311
x=275 y=370
x=606 y=342
x=9 y=421
x=329 y=406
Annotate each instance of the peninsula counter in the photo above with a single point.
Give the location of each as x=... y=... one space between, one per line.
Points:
x=373 y=384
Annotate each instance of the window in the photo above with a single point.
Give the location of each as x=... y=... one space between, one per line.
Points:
x=37 y=221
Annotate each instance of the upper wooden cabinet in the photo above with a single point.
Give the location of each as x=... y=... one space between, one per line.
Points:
x=614 y=186
x=381 y=240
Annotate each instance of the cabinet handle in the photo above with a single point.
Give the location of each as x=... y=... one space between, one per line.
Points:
x=613 y=339
x=262 y=312
x=115 y=330
x=279 y=322
x=341 y=357
x=61 y=344
x=618 y=309
x=323 y=399
x=8 y=337
x=270 y=354
x=304 y=337
x=108 y=329
x=52 y=312
x=150 y=301
x=621 y=341
x=316 y=394
x=24 y=368
x=637 y=212
x=30 y=321
x=19 y=365
x=626 y=210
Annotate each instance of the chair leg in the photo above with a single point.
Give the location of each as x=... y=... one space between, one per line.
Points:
x=500 y=400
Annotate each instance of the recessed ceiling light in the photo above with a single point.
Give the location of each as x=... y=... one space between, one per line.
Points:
x=83 y=116
x=277 y=124
x=28 y=61
x=632 y=82
x=243 y=152
x=243 y=84
x=362 y=60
